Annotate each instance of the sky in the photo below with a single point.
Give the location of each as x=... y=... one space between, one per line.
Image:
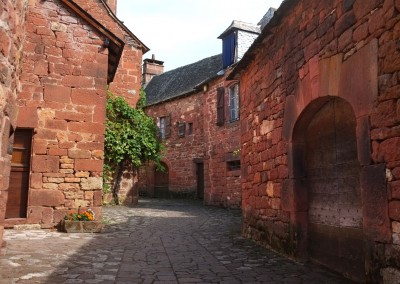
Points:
x=180 y=32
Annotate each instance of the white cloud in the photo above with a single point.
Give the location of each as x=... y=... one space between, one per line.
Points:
x=180 y=32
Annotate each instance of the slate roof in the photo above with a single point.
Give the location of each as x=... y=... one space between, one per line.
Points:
x=239 y=25
x=183 y=80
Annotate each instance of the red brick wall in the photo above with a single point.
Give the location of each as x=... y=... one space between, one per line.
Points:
x=319 y=50
x=12 y=15
x=63 y=99
x=127 y=81
x=222 y=187
x=180 y=151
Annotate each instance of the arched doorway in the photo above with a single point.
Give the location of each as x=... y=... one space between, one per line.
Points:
x=161 y=182
x=326 y=165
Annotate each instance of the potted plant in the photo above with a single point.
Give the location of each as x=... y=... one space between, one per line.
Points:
x=81 y=222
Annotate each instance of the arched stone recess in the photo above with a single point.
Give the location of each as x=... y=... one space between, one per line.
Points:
x=335 y=196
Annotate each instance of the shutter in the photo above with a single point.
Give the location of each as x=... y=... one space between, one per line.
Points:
x=168 y=126
x=228 y=50
x=220 y=105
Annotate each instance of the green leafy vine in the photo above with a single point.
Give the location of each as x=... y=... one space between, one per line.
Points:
x=131 y=139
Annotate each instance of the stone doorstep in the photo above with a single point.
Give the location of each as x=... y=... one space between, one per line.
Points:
x=25 y=227
x=12 y=222
x=20 y=224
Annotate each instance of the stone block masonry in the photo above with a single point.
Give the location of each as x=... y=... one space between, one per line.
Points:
x=127 y=80
x=62 y=99
x=222 y=185
x=12 y=19
x=181 y=150
x=325 y=69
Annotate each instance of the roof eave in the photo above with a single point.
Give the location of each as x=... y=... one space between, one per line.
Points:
x=143 y=47
x=115 y=45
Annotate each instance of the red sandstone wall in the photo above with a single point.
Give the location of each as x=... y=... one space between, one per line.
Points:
x=12 y=15
x=127 y=81
x=213 y=144
x=222 y=187
x=63 y=99
x=344 y=49
x=180 y=151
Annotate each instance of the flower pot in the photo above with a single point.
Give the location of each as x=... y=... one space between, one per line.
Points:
x=82 y=226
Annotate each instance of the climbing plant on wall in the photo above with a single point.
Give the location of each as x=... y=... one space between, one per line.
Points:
x=131 y=139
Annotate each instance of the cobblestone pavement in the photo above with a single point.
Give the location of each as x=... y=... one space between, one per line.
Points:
x=159 y=241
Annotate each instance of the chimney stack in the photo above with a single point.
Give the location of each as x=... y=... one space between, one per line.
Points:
x=151 y=68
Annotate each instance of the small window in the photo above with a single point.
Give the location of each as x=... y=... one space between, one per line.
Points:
x=190 y=128
x=165 y=126
x=181 y=129
x=233 y=165
x=234 y=102
x=162 y=127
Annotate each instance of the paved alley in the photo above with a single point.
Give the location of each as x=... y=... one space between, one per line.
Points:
x=159 y=241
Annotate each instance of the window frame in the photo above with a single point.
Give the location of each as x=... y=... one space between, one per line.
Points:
x=165 y=126
x=234 y=102
x=181 y=129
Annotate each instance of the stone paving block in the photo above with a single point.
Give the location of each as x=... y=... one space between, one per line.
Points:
x=154 y=242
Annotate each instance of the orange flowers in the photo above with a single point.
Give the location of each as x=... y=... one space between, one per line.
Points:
x=87 y=215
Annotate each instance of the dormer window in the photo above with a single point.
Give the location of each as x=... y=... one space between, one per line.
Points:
x=236 y=39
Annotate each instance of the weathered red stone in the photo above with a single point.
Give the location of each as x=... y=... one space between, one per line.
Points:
x=27 y=117
x=45 y=164
x=57 y=93
x=42 y=197
x=89 y=165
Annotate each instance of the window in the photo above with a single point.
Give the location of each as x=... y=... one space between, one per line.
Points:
x=233 y=165
x=162 y=127
x=220 y=105
x=234 y=102
x=190 y=128
x=165 y=126
x=181 y=129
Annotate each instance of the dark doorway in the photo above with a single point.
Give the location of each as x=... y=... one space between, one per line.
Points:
x=325 y=147
x=200 y=180
x=17 y=202
x=161 y=182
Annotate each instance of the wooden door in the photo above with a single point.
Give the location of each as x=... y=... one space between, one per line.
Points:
x=335 y=230
x=200 y=180
x=17 y=202
x=161 y=183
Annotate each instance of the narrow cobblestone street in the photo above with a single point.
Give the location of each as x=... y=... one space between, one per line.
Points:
x=159 y=241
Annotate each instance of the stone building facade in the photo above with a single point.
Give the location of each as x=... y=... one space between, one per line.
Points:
x=127 y=80
x=197 y=110
x=12 y=19
x=320 y=94
x=70 y=52
x=180 y=116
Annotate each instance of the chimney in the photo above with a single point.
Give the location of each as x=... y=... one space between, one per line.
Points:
x=151 y=68
x=267 y=17
x=113 y=5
